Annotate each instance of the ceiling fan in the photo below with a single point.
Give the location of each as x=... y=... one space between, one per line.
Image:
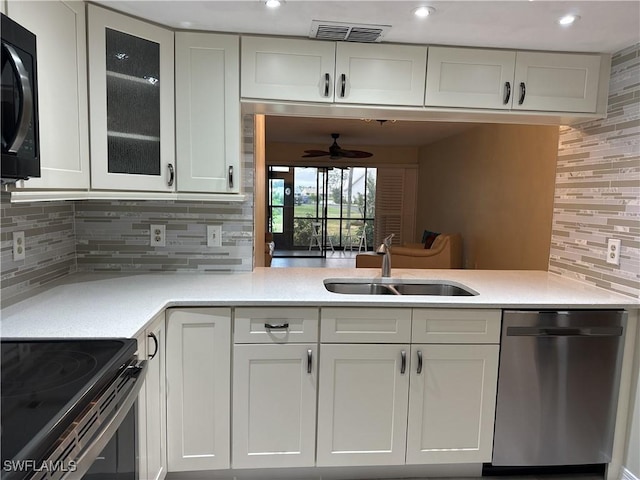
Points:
x=335 y=151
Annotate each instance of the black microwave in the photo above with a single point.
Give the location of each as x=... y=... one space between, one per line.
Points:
x=19 y=96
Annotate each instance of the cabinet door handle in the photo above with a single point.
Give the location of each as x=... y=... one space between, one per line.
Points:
x=276 y=326
x=155 y=342
x=343 y=85
x=172 y=175
x=523 y=92
x=309 y=360
x=231 y=177
x=403 y=362
x=507 y=92
x=419 y=369
x=327 y=79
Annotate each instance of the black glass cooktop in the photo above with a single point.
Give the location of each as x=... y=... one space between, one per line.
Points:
x=46 y=383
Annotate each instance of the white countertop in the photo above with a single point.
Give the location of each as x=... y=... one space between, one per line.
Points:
x=120 y=305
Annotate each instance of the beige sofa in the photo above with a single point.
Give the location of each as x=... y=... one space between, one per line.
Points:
x=445 y=252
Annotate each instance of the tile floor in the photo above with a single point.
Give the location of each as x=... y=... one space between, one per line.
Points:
x=337 y=259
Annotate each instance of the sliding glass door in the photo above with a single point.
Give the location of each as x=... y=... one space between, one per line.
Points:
x=315 y=210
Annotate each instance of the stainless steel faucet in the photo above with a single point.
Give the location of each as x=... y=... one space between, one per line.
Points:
x=384 y=249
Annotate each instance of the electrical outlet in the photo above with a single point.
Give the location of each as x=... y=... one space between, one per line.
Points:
x=613 y=251
x=214 y=235
x=157 y=235
x=19 y=247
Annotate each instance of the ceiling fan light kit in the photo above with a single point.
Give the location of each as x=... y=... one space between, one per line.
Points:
x=336 y=152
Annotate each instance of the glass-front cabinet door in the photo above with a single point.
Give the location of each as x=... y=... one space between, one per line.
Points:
x=131 y=86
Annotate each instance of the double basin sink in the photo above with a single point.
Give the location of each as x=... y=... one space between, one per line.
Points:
x=389 y=286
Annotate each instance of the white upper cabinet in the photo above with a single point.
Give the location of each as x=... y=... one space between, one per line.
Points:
x=318 y=71
x=380 y=74
x=59 y=27
x=287 y=69
x=556 y=82
x=131 y=86
x=509 y=80
x=464 y=77
x=208 y=112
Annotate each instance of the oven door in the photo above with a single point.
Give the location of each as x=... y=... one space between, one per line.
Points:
x=118 y=459
x=101 y=444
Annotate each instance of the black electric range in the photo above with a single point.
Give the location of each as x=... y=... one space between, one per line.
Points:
x=47 y=387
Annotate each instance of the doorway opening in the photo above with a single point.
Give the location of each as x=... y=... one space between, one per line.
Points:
x=315 y=210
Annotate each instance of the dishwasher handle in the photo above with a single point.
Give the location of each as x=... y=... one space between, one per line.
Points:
x=615 y=331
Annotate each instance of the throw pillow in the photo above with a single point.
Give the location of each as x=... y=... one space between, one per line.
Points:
x=428 y=238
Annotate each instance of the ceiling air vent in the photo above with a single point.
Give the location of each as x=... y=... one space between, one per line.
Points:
x=348 y=32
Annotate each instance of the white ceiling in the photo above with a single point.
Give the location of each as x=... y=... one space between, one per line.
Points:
x=605 y=26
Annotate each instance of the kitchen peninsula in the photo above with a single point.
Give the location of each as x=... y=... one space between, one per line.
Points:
x=120 y=305
x=278 y=336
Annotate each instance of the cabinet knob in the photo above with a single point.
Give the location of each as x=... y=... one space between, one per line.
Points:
x=230 y=177
x=309 y=361
x=327 y=80
x=403 y=362
x=343 y=85
x=419 y=369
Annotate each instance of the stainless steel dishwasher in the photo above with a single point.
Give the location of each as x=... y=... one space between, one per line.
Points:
x=558 y=387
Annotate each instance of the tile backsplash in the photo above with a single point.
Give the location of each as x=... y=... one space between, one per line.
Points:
x=113 y=236
x=50 y=245
x=597 y=192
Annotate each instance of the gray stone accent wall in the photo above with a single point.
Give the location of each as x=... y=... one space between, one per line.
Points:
x=50 y=246
x=597 y=192
x=65 y=237
x=114 y=235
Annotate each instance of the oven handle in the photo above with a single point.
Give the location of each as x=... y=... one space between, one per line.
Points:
x=26 y=99
x=88 y=455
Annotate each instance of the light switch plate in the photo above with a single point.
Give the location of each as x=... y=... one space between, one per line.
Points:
x=214 y=235
x=613 y=251
x=19 y=247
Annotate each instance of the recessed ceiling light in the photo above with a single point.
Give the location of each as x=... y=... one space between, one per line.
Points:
x=423 y=12
x=568 y=19
x=273 y=3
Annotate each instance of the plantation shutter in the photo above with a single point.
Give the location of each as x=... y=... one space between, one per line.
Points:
x=396 y=193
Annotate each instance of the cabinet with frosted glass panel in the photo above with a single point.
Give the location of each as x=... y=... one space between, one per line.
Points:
x=131 y=82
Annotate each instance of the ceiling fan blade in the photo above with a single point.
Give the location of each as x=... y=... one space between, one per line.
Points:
x=314 y=153
x=355 y=154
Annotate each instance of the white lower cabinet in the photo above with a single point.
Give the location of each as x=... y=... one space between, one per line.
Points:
x=452 y=401
x=337 y=403
x=152 y=424
x=274 y=405
x=362 y=404
x=199 y=388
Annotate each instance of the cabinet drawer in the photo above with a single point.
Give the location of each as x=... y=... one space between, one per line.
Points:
x=276 y=325
x=365 y=325
x=455 y=326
